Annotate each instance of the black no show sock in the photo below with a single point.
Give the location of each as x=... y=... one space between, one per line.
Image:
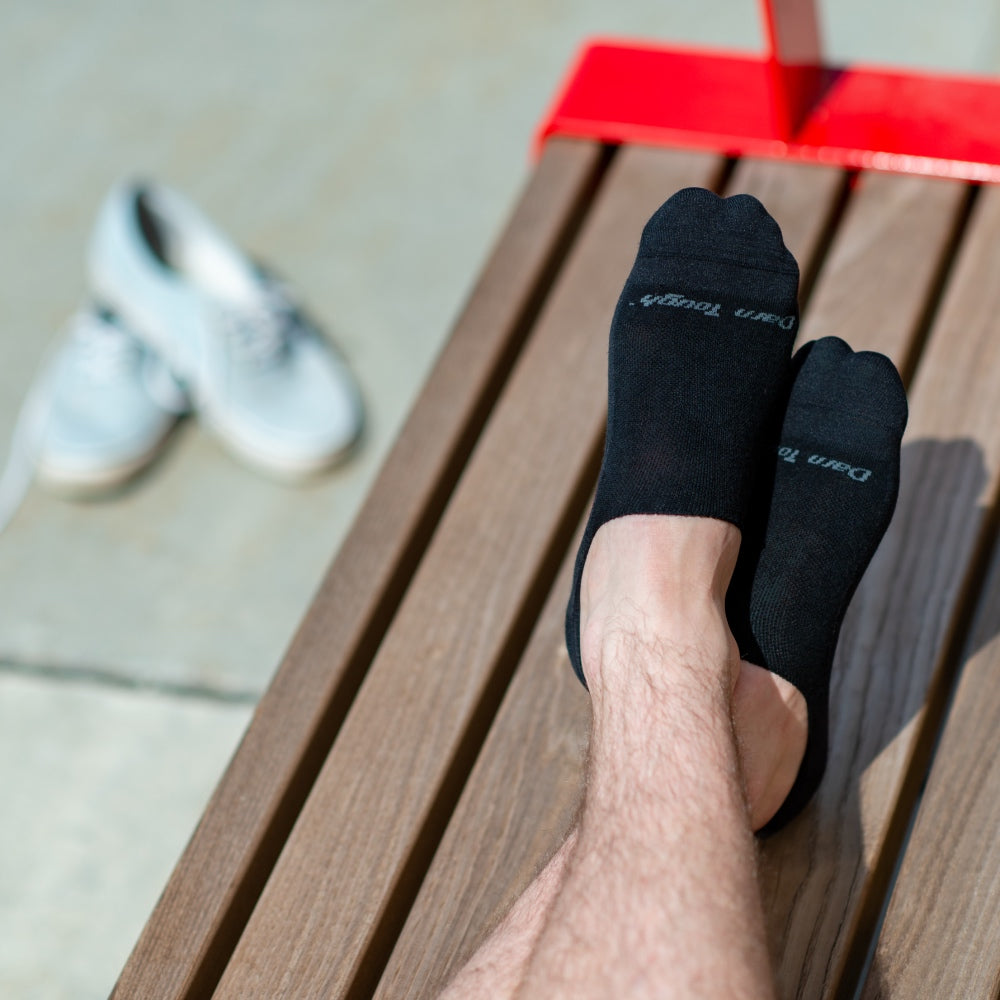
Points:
x=836 y=477
x=698 y=360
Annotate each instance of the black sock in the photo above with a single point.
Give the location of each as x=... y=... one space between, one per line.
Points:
x=697 y=362
x=836 y=477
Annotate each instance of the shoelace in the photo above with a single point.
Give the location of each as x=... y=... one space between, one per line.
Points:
x=20 y=467
x=259 y=333
x=105 y=350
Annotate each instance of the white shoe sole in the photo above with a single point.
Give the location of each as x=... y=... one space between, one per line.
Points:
x=69 y=481
x=280 y=467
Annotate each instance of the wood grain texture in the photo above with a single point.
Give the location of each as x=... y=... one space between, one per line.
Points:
x=824 y=877
x=326 y=921
x=524 y=790
x=197 y=921
x=941 y=935
x=516 y=808
x=881 y=273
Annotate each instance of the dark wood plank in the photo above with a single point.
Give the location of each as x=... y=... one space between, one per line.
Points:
x=824 y=878
x=524 y=790
x=894 y=239
x=941 y=935
x=341 y=889
x=197 y=921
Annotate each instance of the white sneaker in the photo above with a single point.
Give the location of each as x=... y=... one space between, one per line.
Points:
x=260 y=374
x=99 y=410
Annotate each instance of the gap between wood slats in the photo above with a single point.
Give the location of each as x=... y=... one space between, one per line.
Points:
x=188 y=940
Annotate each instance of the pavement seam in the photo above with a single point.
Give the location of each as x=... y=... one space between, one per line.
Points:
x=102 y=677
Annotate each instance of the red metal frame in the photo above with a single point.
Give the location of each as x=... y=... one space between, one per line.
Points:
x=785 y=103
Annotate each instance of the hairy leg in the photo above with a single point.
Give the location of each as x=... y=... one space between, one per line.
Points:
x=769 y=717
x=660 y=897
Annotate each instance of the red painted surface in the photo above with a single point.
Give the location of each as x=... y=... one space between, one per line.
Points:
x=773 y=105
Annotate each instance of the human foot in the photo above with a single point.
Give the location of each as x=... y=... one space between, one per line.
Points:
x=771 y=723
x=835 y=487
x=698 y=357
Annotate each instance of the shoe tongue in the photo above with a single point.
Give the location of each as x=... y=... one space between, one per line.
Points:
x=221 y=269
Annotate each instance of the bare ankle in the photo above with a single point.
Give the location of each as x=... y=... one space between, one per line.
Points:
x=657 y=584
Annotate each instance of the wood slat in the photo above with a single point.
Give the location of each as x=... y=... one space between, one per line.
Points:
x=895 y=239
x=519 y=799
x=340 y=890
x=941 y=934
x=825 y=876
x=197 y=921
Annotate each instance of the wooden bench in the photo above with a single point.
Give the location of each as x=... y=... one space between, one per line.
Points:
x=418 y=755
